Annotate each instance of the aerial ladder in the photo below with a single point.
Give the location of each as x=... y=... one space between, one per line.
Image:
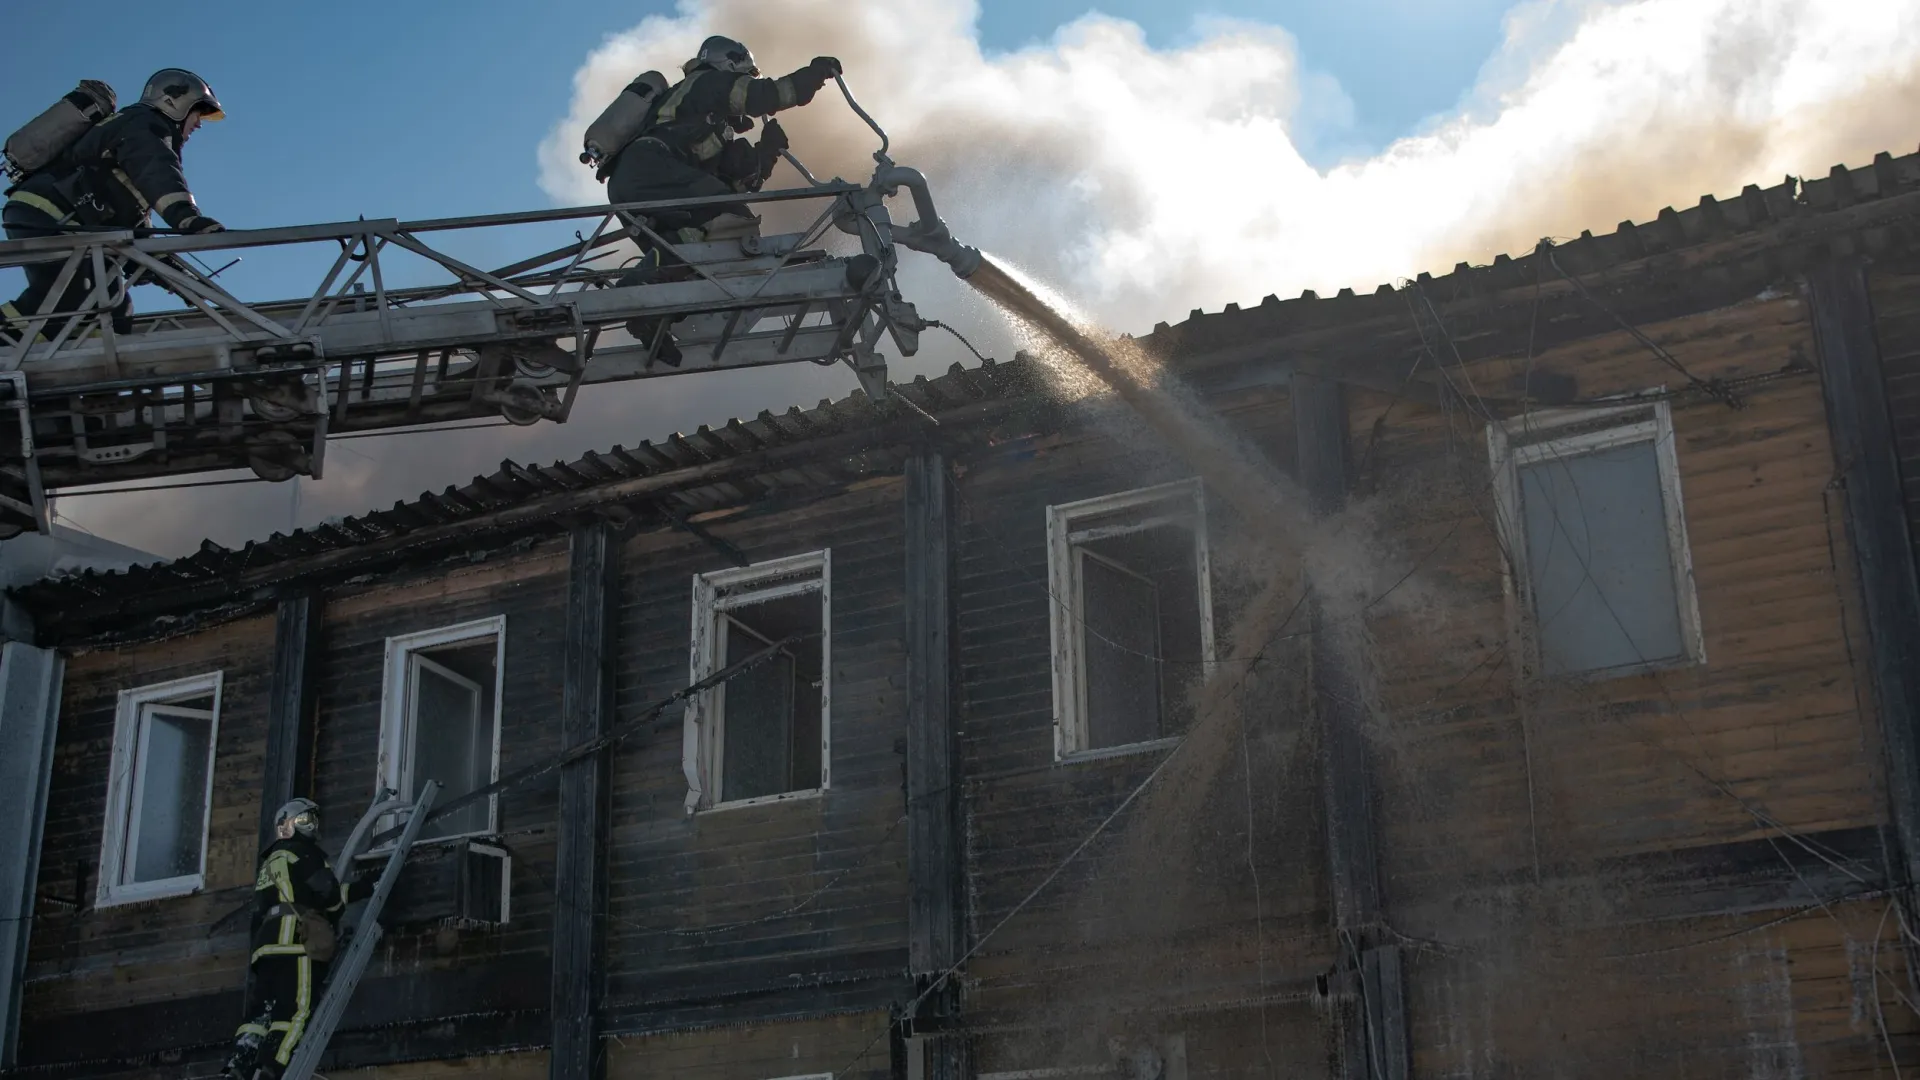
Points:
x=225 y=383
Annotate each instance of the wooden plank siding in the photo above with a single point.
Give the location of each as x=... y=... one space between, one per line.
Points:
x=793 y=903
x=1131 y=921
x=158 y=967
x=1503 y=797
x=1487 y=770
x=156 y=951
x=1733 y=996
x=531 y=591
x=853 y=1046
x=524 y=1065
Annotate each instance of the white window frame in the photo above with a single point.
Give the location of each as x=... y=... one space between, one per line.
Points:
x=123 y=791
x=1656 y=427
x=394 y=767
x=1063 y=585
x=506 y=878
x=704 y=730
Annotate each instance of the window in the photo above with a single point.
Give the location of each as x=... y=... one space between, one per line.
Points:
x=159 y=791
x=1132 y=616
x=440 y=719
x=765 y=733
x=1589 y=508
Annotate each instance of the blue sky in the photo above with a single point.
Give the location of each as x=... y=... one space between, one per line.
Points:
x=410 y=109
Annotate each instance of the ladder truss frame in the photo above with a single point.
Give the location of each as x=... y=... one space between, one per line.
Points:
x=225 y=383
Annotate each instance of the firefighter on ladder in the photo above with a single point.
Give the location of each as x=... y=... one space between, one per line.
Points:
x=297 y=908
x=113 y=176
x=688 y=145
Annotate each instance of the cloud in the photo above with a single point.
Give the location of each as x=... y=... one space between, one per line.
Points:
x=1145 y=181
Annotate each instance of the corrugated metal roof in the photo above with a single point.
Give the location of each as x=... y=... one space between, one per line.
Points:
x=515 y=483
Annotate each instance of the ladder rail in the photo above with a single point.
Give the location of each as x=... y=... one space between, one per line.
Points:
x=345 y=976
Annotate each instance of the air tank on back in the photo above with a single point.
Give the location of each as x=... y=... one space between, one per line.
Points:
x=41 y=140
x=622 y=121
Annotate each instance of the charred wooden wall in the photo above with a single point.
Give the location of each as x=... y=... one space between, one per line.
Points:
x=1581 y=856
x=1671 y=873
x=1158 y=914
x=87 y=960
x=530 y=590
x=853 y=1045
x=1896 y=310
x=165 y=977
x=782 y=909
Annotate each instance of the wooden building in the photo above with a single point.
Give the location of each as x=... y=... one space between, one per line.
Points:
x=1590 y=751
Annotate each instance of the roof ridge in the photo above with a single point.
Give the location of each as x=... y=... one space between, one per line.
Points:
x=1669 y=230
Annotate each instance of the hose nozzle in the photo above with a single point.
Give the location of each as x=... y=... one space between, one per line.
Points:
x=928 y=234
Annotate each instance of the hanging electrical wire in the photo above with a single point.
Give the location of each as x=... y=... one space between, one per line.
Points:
x=1714 y=387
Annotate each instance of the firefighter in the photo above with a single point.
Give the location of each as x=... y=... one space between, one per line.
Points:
x=297 y=908
x=113 y=176
x=691 y=146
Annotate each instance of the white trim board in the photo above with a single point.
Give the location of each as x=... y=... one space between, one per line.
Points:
x=126 y=781
x=702 y=738
x=1063 y=586
x=393 y=766
x=1530 y=440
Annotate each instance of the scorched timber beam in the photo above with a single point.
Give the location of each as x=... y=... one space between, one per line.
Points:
x=1869 y=467
x=933 y=837
x=1374 y=1042
x=586 y=707
x=289 y=751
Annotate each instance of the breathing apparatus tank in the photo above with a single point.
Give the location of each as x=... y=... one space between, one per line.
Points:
x=41 y=141
x=623 y=121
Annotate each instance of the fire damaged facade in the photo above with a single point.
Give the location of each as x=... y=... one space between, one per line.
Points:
x=1585 y=743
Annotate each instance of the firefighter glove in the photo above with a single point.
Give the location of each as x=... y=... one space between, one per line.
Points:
x=201 y=223
x=828 y=66
x=773 y=138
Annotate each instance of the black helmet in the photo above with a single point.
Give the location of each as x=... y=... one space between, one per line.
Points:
x=176 y=92
x=722 y=54
x=299 y=817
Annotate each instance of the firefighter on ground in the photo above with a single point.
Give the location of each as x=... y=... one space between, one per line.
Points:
x=297 y=908
x=114 y=176
x=690 y=145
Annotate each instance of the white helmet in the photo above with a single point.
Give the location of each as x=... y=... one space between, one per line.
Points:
x=298 y=817
x=722 y=54
x=177 y=92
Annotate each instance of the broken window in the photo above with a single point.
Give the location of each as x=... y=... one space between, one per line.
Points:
x=440 y=720
x=764 y=733
x=159 y=791
x=1589 y=509
x=1132 y=616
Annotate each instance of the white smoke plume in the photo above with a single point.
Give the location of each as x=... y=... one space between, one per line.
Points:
x=1143 y=182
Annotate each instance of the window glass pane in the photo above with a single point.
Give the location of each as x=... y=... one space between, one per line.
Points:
x=1121 y=613
x=770 y=716
x=452 y=712
x=1141 y=634
x=172 y=815
x=1600 y=561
